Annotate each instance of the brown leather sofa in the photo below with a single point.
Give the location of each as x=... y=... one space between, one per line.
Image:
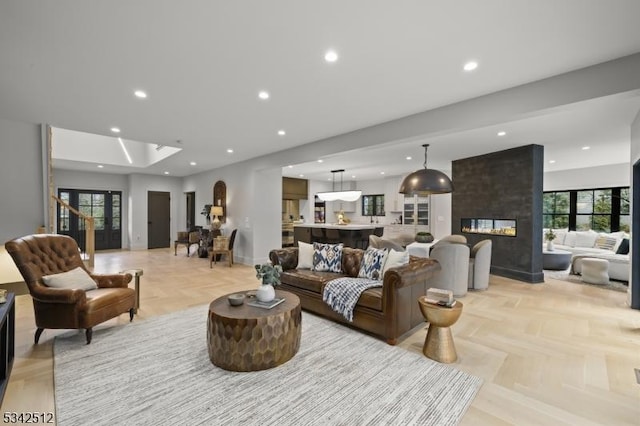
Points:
x=46 y=254
x=388 y=311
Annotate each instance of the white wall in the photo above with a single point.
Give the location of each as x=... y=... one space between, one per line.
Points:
x=139 y=186
x=254 y=204
x=21 y=179
x=590 y=177
x=71 y=179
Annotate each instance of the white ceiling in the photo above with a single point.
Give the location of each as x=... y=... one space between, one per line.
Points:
x=75 y=65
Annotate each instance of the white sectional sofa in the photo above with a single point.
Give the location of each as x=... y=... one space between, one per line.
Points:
x=584 y=244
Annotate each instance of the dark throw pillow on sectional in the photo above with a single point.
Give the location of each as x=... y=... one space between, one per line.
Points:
x=624 y=247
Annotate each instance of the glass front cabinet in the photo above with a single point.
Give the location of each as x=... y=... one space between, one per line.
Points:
x=416 y=208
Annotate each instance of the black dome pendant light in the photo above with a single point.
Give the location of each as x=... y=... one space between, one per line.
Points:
x=425 y=181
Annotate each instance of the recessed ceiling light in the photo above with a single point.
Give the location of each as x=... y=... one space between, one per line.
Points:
x=193 y=163
x=381 y=173
x=502 y=133
x=331 y=56
x=584 y=148
x=264 y=95
x=140 y=94
x=321 y=161
x=552 y=161
x=470 y=66
x=115 y=130
x=353 y=176
x=290 y=166
x=100 y=166
x=282 y=132
x=301 y=175
x=409 y=158
x=230 y=151
x=166 y=173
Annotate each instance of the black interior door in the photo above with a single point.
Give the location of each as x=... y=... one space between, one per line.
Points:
x=158 y=219
x=191 y=210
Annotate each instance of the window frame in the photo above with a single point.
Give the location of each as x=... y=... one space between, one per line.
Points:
x=615 y=214
x=374 y=200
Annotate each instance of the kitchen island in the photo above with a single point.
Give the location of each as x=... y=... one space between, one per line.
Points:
x=351 y=235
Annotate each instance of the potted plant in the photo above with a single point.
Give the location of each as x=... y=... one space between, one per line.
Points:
x=270 y=277
x=424 y=237
x=549 y=236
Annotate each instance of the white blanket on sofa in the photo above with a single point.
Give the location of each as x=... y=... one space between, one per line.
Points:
x=342 y=294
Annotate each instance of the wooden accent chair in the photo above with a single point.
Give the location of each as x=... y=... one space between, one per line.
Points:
x=48 y=254
x=228 y=250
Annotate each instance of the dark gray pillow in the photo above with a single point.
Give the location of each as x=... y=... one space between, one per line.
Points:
x=624 y=247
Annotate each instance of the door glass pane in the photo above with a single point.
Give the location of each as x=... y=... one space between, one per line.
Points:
x=97 y=210
x=547 y=221
x=63 y=216
x=115 y=211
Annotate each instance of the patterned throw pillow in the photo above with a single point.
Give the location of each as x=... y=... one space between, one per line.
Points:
x=605 y=242
x=372 y=263
x=327 y=257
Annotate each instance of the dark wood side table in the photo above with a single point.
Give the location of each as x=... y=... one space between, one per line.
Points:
x=438 y=344
x=247 y=338
x=7 y=341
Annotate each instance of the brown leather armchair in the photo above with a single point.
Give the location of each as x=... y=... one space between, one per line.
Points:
x=46 y=254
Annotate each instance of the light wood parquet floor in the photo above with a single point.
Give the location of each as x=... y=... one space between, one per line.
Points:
x=556 y=353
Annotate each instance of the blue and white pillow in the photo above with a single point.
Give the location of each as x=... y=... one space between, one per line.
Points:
x=372 y=263
x=327 y=257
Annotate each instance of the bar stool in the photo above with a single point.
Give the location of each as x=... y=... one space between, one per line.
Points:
x=333 y=236
x=363 y=238
x=317 y=235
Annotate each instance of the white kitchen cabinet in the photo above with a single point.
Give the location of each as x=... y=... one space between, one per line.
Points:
x=393 y=201
x=416 y=208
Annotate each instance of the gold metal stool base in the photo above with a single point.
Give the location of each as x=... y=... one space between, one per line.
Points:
x=438 y=345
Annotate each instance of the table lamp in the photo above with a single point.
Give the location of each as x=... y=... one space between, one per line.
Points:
x=215 y=212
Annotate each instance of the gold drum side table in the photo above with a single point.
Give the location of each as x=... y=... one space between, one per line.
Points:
x=438 y=344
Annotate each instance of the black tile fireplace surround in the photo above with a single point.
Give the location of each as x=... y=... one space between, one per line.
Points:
x=503 y=186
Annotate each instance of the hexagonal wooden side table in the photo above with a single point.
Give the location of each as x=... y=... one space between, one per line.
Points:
x=248 y=338
x=438 y=344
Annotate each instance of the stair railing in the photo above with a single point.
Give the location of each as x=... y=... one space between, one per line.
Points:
x=89 y=230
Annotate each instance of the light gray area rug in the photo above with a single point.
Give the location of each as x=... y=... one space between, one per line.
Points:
x=576 y=279
x=158 y=372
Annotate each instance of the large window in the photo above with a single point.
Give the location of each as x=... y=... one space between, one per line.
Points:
x=602 y=209
x=556 y=210
x=373 y=205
